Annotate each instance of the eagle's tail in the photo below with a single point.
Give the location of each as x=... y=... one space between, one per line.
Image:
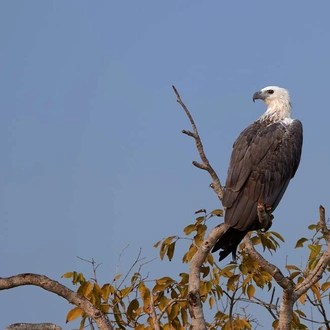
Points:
x=228 y=243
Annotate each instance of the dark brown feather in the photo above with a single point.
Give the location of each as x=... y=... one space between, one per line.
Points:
x=264 y=159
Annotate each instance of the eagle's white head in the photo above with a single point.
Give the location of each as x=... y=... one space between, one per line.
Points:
x=277 y=100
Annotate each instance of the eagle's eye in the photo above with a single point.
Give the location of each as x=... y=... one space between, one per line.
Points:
x=270 y=91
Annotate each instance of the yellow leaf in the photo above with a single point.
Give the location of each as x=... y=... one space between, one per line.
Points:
x=201 y=229
x=210 y=259
x=250 y=291
x=289 y=267
x=217 y=212
x=135 y=277
x=170 y=251
x=294 y=274
x=227 y=270
x=139 y=327
x=163 y=301
x=302 y=298
x=132 y=307
x=162 y=251
x=325 y=286
x=199 y=220
x=277 y=235
x=82 y=322
x=300 y=242
x=117 y=277
x=184 y=317
x=189 y=229
x=205 y=271
x=211 y=302
x=158 y=288
x=157 y=244
x=106 y=290
x=301 y=313
x=316 y=291
x=85 y=288
x=185 y=278
x=125 y=292
x=168 y=240
x=73 y=314
x=188 y=256
x=67 y=275
x=165 y=280
x=198 y=240
x=174 y=312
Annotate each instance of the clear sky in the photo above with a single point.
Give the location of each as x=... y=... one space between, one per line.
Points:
x=92 y=154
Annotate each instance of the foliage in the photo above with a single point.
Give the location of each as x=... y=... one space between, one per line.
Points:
x=134 y=301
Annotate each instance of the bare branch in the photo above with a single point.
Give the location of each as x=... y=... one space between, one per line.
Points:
x=216 y=185
x=50 y=285
x=33 y=326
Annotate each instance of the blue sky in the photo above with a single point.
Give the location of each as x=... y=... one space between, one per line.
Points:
x=93 y=157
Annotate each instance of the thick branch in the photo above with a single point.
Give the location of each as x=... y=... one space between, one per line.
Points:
x=193 y=300
x=153 y=314
x=275 y=272
x=33 y=326
x=53 y=286
x=205 y=165
x=286 y=307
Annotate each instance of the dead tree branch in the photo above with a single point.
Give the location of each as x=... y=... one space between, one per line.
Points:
x=50 y=285
x=205 y=165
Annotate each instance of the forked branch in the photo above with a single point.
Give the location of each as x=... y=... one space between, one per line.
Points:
x=205 y=165
x=72 y=297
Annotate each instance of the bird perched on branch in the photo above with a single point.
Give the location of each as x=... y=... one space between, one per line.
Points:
x=264 y=159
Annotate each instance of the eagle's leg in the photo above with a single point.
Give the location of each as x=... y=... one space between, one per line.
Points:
x=264 y=215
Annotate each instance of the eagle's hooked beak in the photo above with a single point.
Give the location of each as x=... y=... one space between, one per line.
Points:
x=258 y=96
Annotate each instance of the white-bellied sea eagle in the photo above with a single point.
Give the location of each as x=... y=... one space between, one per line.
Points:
x=264 y=159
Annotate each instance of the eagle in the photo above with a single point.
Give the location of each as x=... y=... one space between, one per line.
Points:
x=264 y=159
